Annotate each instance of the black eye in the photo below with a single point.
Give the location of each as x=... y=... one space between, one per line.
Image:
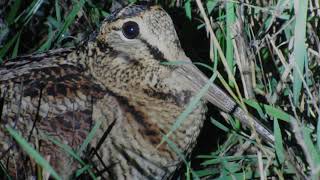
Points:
x=130 y=29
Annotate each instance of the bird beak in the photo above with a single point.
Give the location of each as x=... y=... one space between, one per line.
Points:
x=197 y=80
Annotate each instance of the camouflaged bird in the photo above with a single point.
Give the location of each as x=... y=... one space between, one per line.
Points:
x=118 y=79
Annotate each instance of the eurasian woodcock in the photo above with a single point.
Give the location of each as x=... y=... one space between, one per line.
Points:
x=121 y=78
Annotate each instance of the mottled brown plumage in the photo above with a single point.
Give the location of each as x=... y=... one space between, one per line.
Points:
x=117 y=81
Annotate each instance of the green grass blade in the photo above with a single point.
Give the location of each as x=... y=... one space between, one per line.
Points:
x=32 y=153
x=187 y=8
x=219 y=159
x=219 y=125
x=13 y=11
x=277 y=113
x=69 y=151
x=299 y=51
x=278 y=141
x=89 y=137
x=211 y=4
x=16 y=47
x=65 y=147
x=54 y=23
x=46 y=46
x=188 y=173
x=70 y=19
x=82 y=170
x=314 y=153
x=178 y=151
x=31 y=10
x=256 y=106
x=58 y=10
x=270 y=110
x=7 y=46
x=318 y=133
x=230 y=20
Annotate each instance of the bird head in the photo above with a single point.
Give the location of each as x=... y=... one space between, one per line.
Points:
x=141 y=41
x=142 y=32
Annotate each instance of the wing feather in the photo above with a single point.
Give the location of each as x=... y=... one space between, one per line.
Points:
x=48 y=94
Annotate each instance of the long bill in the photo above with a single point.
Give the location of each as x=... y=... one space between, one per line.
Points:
x=196 y=79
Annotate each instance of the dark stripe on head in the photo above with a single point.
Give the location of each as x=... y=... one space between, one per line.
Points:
x=127 y=12
x=154 y=51
x=112 y=53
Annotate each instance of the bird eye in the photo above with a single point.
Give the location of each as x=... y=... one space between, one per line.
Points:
x=130 y=29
